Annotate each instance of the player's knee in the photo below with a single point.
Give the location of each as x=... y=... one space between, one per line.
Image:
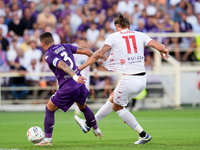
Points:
x=51 y=106
x=117 y=107
x=81 y=106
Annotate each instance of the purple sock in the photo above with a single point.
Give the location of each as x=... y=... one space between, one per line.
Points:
x=89 y=116
x=49 y=120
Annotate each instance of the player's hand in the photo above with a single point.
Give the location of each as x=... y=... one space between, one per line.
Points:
x=81 y=80
x=165 y=54
x=80 y=68
x=100 y=61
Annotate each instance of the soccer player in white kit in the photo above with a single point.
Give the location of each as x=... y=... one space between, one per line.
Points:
x=127 y=57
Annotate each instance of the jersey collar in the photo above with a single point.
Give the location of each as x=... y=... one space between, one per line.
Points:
x=125 y=29
x=50 y=47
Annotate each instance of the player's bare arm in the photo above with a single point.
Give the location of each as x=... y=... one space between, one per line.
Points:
x=99 y=53
x=62 y=65
x=160 y=47
x=96 y=56
x=84 y=51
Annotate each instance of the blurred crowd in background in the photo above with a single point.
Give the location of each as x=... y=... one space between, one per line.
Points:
x=87 y=23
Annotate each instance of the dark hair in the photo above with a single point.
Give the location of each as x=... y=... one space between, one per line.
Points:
x=46 y=38
x=122 y=21
x=55 y=2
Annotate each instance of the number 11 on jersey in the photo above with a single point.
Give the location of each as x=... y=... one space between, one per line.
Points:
x=127 y=38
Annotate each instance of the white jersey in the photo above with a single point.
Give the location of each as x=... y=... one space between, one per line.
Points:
x=80 y=59
x=127 y=51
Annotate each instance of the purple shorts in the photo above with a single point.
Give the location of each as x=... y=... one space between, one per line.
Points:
x=65 y=100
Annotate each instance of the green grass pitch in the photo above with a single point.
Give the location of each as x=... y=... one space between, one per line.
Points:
x=170 y=129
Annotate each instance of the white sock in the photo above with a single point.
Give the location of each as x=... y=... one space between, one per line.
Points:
x=47 y=139
x=130 y=120
x=104 y=111
x=139 y=129
x=77 y=110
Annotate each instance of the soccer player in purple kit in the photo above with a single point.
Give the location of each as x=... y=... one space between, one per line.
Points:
x=71 y=85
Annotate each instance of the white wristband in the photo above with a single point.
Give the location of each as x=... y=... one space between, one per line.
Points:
x=75 y=77
x=98 y=60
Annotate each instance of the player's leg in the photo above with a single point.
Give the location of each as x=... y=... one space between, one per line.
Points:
x=84 y=124
x=76 y=110
x=90 y=120
x=103 y=111
x=122 y=95
x=49 y=120
x=106 y=109
x=89 y=115
x=131 y=121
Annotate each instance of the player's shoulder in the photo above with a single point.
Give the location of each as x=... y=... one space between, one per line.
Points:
x=69 y=46
x=138 y=32
x=65 y=44
x=49 y=54
x=116 y=33
x=141 y=34
x=113 y=35
x=46 y=56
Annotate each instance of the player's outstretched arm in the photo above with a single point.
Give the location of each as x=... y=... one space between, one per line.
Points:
x=62 y=65
x=84 y=51
x=97 y=55
x=160 y=47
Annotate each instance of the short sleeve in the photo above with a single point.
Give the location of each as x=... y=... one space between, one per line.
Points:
x=52 y=59
x=147 y=39
x=71 y=47
x=109 y=40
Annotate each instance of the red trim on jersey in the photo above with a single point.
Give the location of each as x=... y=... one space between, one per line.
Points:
x=149 y=42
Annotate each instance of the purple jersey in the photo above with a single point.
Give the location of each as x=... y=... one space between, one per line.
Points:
x=63 y=52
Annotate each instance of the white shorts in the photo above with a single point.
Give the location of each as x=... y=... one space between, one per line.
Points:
x=128 y=87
